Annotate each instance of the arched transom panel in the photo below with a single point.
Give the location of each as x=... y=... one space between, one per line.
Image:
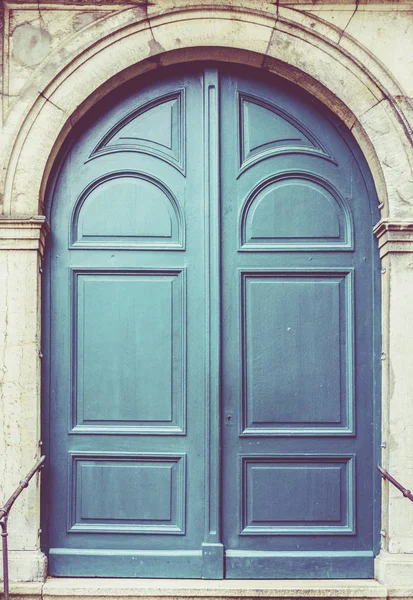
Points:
x=297 y=211
x=127 y=208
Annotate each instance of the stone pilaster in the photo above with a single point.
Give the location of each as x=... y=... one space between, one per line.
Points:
x=394 y=565
x=21 y=248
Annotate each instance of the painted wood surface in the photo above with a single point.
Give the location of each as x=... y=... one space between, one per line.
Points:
x=211 y=323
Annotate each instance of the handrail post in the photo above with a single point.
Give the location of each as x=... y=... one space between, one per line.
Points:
x=4 y=514
x=406 y=493
x=4 y=534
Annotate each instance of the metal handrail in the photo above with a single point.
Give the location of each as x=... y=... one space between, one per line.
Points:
x=4 y=513
x=406 y=493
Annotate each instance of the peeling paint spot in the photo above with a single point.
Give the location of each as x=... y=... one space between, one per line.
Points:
x=402 y=198
x=30 y=44
x=81 y=20
x=155 y=47
x=139 y=12
x=391 y=382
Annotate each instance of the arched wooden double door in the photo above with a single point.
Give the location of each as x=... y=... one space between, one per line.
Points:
x=211 y=336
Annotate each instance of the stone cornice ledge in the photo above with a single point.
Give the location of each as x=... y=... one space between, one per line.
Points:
x=394 y=236
x=23 y=233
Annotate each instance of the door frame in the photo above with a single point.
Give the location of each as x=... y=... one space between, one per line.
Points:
x=212 y=548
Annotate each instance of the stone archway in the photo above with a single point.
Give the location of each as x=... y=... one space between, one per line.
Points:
x=332 y=66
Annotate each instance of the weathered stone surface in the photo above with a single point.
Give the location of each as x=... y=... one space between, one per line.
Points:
x=399 y=451
x=27 y=566
x=19 y=388
x=377 y=31
x=396 y=570
x=169 y=588
x=394 y=157
x=30 y=44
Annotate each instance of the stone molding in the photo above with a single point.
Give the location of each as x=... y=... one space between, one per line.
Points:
x=26 y=566
x=394 y=236
x=394 y=569
x=144 y=589
x=24 y=233
x=48 y=4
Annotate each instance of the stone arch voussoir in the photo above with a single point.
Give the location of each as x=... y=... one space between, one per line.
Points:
x=322 y=60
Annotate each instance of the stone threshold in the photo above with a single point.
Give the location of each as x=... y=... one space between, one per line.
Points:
x=159 y=589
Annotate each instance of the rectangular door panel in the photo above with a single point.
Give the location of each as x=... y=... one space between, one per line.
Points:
x=297 y=564
x=292 y=494
x=130 y=358
x=124 y=493
x=298 y=352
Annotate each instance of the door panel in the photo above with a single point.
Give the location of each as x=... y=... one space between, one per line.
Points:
x=130 y=356
x=211 y=302
x=296 y=262
x=297 y=327
x=127 y=372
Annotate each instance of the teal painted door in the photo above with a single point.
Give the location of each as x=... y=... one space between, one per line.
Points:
x=210 y=337
x=298 y=346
